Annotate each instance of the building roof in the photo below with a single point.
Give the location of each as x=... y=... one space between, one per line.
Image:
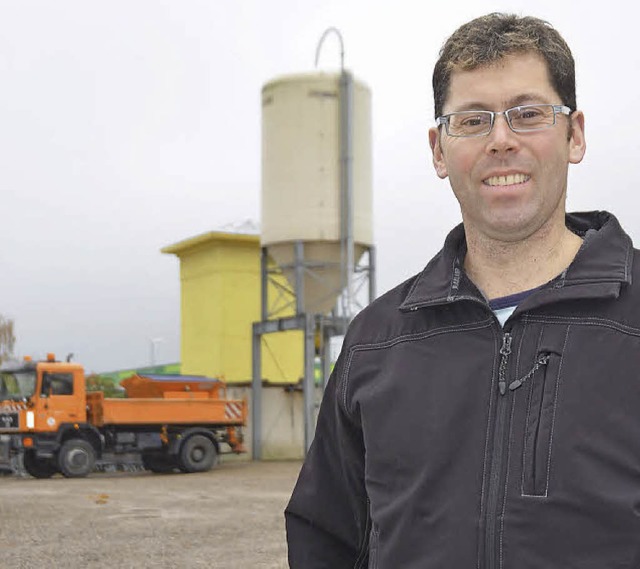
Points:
x=210 y=237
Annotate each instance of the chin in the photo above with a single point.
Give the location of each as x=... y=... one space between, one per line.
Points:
x=510 y=229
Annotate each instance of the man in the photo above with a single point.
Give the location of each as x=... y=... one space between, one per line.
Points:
x=486 y=413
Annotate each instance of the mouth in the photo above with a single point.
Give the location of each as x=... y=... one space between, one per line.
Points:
x=510 y=180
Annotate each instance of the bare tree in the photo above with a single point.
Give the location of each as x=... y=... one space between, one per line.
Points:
x=7 y=338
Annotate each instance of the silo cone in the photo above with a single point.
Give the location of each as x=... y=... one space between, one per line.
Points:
x=301 y=179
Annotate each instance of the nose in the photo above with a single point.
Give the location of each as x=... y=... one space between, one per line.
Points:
x=501 y=139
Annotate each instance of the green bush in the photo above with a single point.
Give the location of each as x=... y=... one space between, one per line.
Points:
x=96 y=382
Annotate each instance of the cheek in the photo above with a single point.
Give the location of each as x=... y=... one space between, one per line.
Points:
x=554 y=155
x=553 y=165
x=460 y=162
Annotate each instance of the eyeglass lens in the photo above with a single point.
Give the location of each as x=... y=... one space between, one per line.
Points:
x=475 y=123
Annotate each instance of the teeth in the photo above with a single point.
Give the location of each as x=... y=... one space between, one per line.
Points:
x=507 y=180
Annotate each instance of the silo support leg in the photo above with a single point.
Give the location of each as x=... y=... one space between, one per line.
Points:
x=309 y=386
x=256 y=393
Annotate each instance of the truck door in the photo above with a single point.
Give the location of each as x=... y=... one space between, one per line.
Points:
x=57 y=402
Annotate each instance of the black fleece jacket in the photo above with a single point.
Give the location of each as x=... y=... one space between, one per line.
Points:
x=445 y=441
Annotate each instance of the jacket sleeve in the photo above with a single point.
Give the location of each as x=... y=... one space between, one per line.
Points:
x=327 y=517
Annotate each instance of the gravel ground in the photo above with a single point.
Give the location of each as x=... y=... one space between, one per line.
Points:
x=229 y=518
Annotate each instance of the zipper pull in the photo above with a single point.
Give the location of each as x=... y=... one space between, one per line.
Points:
x=506 y=344
x=505 y=350
x=515 y=384
x=542 y=360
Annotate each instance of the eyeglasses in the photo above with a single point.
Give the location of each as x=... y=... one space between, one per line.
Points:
x=520 y=119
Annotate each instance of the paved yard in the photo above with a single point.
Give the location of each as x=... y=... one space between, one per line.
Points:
x=229 y=518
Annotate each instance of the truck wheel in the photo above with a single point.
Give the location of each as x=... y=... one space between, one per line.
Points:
x=76 y=458
x=161 y=464
x=38 y=467
x=197 y=454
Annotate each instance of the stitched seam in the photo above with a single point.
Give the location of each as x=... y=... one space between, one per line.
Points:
x=524 y=444
x=416 y=305
x=595 y=319
x=440 y=300
x=613 y=279
x=451 y=296
x=415 y=283
x=526 y=424
x=486 y=440
x=555 y=407
x=506 y=481
x=376 y=538
x=399 y=340
x=420 y=335
x=364 y=548
x=630 y=330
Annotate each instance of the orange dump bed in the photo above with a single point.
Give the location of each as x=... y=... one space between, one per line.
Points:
x=159 y=385
x=173 y=400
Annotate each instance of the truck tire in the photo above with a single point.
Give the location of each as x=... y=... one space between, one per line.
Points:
x=158 y=463
x=38 y=467
x=76 y=458
x=197 y=454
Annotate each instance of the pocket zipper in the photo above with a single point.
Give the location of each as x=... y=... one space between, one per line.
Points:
x=541 y=361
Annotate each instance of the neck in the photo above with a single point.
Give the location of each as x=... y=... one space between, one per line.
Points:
x=500 y=268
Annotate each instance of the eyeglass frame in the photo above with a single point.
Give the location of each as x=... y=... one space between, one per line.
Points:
x=444 y=119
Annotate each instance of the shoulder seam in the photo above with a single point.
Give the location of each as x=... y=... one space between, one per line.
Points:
x=344 y=376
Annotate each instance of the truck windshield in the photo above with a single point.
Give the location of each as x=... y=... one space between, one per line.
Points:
x=17 y=385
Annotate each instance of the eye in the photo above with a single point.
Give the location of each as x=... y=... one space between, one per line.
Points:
x=473 y=119
x=530 y=113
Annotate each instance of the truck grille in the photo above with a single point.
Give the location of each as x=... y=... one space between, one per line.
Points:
x=9 y=420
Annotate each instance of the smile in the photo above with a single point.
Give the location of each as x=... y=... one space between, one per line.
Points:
x=509 y=180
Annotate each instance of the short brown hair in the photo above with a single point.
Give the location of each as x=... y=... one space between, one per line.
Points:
x=486 y=40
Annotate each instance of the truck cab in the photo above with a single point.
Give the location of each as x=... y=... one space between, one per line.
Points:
x=41 y=396
x=60 y=396
x=39 y=403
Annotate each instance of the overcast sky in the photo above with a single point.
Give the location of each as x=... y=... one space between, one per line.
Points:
x=129 y=125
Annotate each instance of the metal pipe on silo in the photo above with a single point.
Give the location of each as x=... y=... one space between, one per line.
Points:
x=346 y=176
x=330 y=30
x=346 y=189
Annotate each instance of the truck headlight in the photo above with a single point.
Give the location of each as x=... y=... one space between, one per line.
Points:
x=31 y=420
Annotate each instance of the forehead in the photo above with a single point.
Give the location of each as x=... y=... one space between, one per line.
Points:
x=513 y=80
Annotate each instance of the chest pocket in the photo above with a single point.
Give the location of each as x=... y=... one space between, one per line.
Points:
x=542 y=402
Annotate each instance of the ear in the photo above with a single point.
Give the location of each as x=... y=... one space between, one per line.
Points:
x=577 y=142
x=436 y=150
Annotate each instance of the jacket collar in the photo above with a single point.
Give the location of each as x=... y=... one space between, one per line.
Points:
x=600 y=268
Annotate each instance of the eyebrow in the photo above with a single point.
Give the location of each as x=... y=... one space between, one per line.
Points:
x=523 y=98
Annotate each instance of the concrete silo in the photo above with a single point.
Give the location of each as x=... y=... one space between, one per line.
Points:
x=302 y=201
x=316 y=218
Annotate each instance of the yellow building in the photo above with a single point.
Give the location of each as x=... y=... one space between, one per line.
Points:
x=220 y=299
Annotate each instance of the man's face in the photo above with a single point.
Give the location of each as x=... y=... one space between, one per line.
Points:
x=509 y=185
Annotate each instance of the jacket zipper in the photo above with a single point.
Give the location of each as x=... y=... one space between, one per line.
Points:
x=493 y=492
x=491 y=517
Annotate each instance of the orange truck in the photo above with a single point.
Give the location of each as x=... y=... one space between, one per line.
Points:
x=171 y=422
